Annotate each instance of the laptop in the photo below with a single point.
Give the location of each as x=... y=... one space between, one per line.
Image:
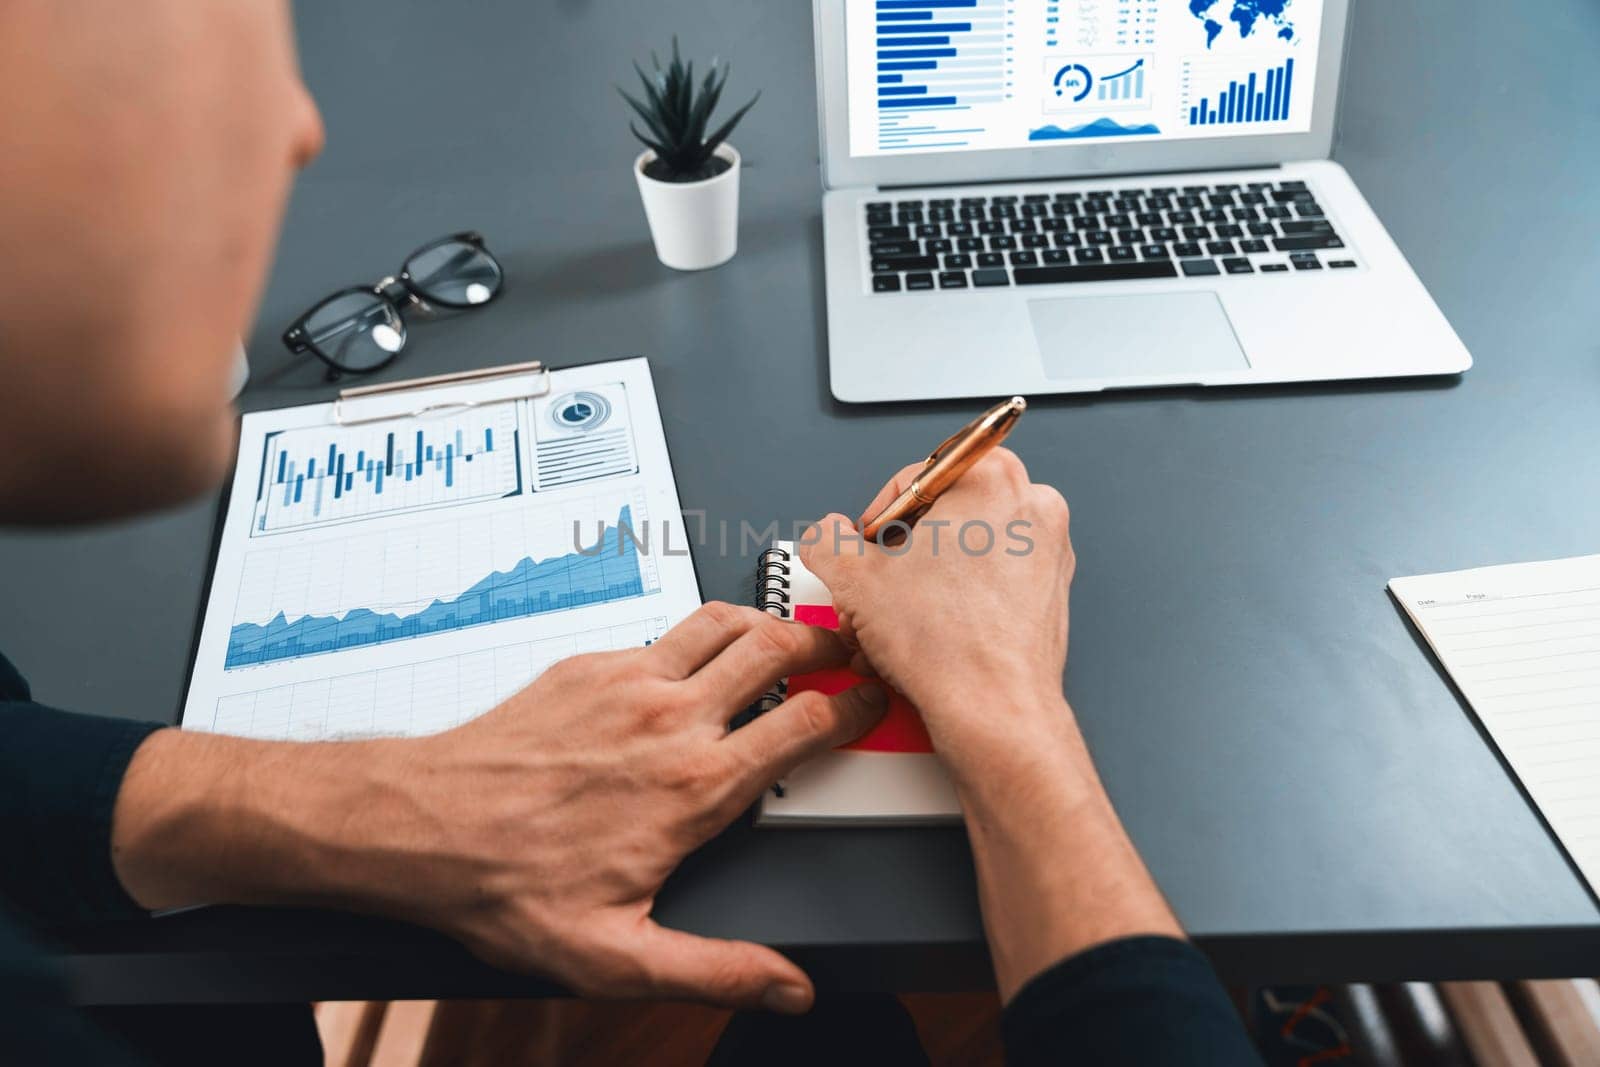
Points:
x=1070 y=196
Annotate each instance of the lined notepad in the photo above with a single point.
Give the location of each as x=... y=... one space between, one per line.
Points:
x=1522 y=643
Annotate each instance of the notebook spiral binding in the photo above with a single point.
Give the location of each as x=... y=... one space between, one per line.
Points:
x=772 y=582
x=772 y=597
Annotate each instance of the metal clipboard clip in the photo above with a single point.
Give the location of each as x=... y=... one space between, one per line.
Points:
x=440 y=393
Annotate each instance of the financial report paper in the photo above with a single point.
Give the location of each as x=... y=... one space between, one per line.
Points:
x=401 y=576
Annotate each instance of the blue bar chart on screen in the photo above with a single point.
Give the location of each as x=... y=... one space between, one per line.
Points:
x=330 y=475
x=936 y=61
x=397 y=567
x=1127 y=84
x=1264 y=96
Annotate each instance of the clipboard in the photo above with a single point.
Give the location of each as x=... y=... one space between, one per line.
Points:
x=398 y=400
x=391 y=598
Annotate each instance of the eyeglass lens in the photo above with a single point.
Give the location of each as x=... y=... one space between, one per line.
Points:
x=356 y=331
x=455 y=274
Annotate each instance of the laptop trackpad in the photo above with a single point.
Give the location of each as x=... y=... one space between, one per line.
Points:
x=1161 y=334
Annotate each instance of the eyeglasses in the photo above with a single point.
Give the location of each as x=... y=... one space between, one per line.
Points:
x=358 y=330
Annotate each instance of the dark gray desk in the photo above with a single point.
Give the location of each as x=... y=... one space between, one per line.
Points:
x=1304 y=784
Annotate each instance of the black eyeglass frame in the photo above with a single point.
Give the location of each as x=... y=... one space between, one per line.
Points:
x=389 y=290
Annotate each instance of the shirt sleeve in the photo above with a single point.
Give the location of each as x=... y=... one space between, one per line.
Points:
x=38 y=1025
x=1142 y=1000
x=59 y=778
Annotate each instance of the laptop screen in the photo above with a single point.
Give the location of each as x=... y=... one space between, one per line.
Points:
x=968 y=75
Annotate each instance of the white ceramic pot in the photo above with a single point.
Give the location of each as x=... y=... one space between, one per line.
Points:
x=695 y=225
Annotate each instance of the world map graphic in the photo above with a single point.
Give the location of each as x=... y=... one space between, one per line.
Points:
x=1250 y=16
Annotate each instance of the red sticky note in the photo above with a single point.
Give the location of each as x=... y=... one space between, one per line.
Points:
x=900 y=729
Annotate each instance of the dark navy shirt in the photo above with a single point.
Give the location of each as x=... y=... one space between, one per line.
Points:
x=59 y=776
x=1147 y=1000
x=1143 y=1000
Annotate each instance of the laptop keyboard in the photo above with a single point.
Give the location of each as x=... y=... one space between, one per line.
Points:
x=917 y=244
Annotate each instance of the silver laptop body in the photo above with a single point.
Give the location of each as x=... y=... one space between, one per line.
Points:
x=1049 y=196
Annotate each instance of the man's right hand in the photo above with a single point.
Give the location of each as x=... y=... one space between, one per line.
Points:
x=968 y=616
x=974 y=631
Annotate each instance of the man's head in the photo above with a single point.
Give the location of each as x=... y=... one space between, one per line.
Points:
x=146 y=154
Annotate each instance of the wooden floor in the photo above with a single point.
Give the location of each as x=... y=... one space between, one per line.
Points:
x=955 y=1029
x=1460 y=1024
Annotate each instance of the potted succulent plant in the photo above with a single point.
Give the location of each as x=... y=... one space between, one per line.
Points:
x=688 y=178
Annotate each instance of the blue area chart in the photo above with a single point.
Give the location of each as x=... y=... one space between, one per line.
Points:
x=1097 y=128
x=1262 y=97
x=935 y=60
x=608 y=572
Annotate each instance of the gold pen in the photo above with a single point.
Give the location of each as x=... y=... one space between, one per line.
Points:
x=943 y=468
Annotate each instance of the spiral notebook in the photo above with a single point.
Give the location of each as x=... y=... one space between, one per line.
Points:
x=888 y=776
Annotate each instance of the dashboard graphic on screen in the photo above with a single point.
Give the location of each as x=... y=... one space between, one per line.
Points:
x=964 y=75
